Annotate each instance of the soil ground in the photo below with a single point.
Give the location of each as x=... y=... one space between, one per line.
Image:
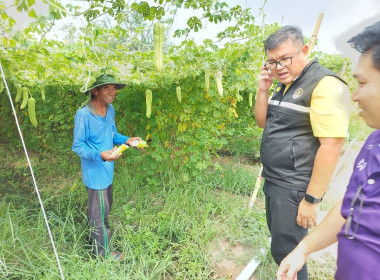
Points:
x=336 y=190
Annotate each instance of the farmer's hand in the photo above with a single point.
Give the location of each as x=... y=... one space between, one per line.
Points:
x=131 y=140
x=292 y=264
x=107 y=155
x=307 y=214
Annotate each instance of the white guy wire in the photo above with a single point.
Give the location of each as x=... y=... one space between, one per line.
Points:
x=31 y=171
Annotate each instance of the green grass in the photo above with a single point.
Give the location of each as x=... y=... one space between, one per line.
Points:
x=165 y=225
x=322 y=270
x=168 y=225
x=358 y=129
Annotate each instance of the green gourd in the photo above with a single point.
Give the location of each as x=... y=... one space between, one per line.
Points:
x=179 y=93
x=218 y=79
x=148 y=99
x=43 y=92
x=158 y=40
x=18 y=93
x=25 y=96
x=207 y=79
x=32 y=111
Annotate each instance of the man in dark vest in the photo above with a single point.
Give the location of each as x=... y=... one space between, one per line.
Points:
x=354 y=221
x=305 y=123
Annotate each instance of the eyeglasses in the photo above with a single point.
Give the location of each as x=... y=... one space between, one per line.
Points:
x=283 y=62
x=350 y=233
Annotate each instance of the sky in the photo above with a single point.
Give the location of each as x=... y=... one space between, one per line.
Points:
x=342 y=19
x=340 y=16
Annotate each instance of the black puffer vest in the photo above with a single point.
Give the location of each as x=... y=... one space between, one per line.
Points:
x=288 y=146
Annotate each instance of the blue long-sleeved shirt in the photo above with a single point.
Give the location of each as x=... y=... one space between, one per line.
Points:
x=94 y=134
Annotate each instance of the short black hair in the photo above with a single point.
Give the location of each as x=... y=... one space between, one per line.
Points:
x=368 y=40
x=283 y=34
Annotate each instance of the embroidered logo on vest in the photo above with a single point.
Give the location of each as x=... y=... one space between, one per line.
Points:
x=297 y=93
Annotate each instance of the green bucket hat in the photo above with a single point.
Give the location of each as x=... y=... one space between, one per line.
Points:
x=105 y=79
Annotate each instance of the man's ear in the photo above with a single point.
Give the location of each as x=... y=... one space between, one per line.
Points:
x=95 y=91
x=305 y=50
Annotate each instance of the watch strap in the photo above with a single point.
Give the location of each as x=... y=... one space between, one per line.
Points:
x=312 y=199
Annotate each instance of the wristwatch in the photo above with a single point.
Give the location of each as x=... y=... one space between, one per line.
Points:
x=313 y=199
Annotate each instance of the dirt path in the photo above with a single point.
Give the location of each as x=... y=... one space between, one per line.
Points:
x=335 y=192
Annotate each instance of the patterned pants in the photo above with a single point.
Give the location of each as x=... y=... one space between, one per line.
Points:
x=99 y=207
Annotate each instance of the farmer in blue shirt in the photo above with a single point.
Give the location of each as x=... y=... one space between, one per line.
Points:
x=95 y=135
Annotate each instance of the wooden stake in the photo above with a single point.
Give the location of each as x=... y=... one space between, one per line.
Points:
x=315 y=32
x=341 y=74
x=256 y=189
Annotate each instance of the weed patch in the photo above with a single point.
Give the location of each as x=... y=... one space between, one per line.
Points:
x=165 y=224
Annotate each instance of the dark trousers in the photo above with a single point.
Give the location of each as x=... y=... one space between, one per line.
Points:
x=99 y=207
x=281 y=211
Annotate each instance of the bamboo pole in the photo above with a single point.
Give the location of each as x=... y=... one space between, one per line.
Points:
x=315 y=33
x=341 y=74
x=256 y=189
